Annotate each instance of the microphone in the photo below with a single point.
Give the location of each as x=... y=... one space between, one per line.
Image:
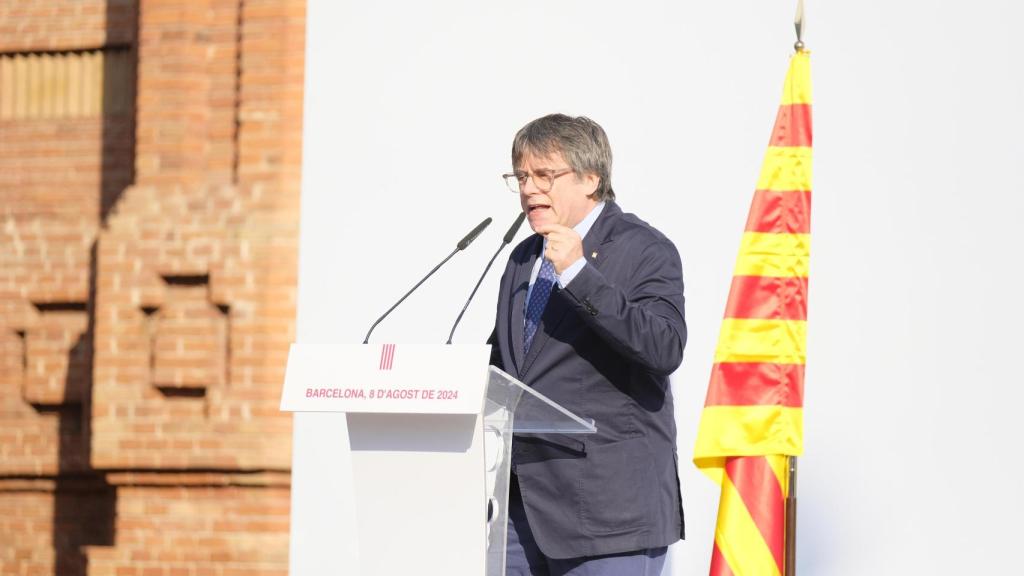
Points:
x=462 y=245
x=472 y=235
x=504 y=242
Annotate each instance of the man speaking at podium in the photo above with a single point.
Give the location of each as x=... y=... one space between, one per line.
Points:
x=590 y=314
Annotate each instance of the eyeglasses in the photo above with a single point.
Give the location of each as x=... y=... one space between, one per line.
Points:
x=516 y=181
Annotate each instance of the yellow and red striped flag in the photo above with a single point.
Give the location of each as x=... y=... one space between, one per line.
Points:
x=753 y=415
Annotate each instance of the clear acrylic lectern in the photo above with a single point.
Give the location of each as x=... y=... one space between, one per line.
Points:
x=513 y=407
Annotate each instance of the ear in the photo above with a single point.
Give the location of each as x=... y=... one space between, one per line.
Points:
x=592 y=180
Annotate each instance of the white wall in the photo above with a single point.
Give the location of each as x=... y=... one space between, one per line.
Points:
x=913 y=379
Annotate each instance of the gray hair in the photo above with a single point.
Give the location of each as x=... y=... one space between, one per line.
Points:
x=581 y=142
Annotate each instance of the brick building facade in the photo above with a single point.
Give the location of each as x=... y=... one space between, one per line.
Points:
x=149 y=186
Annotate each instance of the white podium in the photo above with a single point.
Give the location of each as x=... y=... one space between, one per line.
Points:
x=407 y=469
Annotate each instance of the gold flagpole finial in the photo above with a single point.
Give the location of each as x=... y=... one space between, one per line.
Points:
x=798 y=22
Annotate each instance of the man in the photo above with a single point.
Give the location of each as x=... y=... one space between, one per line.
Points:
x=590 y=314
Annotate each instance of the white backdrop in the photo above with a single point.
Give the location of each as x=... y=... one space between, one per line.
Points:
x=912 y=448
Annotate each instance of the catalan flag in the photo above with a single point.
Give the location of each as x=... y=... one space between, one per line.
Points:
x=753 y=414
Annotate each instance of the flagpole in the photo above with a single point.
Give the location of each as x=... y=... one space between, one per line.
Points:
x=791 y=497
x=798 y=22
x=790 y=555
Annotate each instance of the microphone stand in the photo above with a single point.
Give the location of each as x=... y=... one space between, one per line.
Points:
x=505 y=241
x=462 y=245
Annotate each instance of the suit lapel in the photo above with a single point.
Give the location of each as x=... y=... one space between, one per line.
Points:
x=600 y=234
x=517 y=303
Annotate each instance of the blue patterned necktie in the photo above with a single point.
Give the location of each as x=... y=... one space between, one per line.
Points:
x=538 y=299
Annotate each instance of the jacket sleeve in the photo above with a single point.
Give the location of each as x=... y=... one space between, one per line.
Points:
x=643 y=318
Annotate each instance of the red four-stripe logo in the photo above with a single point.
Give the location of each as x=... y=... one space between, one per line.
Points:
x=387 y=356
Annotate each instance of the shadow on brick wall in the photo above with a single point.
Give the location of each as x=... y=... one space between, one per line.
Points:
x=120 y=68
x=85 y=505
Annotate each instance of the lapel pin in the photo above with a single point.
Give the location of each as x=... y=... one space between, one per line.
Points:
x=593 y=254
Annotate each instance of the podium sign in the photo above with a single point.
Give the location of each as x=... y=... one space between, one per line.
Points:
x=385 y=378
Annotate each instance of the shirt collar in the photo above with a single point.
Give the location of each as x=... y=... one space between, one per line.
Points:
x=584 y=226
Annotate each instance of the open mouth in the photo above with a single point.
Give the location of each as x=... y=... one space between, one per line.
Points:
x=537 y=207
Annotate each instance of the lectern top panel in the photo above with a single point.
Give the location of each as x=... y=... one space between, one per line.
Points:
x=385 y=378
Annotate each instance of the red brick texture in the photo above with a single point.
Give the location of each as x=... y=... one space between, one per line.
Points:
x=27 y=25
x=196 y=528
x=147 y=292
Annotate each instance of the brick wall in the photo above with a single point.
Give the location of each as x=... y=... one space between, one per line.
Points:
x=168 y=525
x=48 y=525
x=27 y=25
x=147 y=284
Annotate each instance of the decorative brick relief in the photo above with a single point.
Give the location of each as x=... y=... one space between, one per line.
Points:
x=189 y=339
x=57 y=355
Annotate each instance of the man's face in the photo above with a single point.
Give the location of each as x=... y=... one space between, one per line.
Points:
x=567 y=203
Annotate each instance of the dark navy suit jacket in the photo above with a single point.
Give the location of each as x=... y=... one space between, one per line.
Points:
x=604 y=350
